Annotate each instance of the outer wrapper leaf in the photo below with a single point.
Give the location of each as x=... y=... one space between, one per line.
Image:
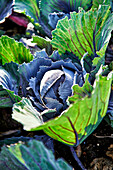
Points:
x=83 y=32
x=92 y=64
x=30 y=114
x=53 y=10
x=32 y=156
x=8 y=98
x=83 y=116
x=8 y=88
x=11 y=50
x=5 y=9
x=65 y=6
x=96 y=3
x=29 y=7
x=43 y=43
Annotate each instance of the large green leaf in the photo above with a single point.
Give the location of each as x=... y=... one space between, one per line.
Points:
x=89 y=106
x=83 y=32
x=33 y=155
x=11 y=50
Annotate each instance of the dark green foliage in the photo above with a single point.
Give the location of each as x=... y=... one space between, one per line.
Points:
x=32 y=155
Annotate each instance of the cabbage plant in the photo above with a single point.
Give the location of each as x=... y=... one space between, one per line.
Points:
x=58 y=88
x=64 y=109
x=48 y=84
x=63 y=94
x=88 y=106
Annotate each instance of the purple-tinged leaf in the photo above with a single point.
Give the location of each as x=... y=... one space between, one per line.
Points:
x=19 y=19
x=109 y=116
